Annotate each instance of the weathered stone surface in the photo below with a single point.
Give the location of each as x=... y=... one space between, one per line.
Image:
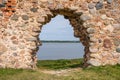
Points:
x=1 y=61
x=13 y=48
x=92 y=39
x=109 y=1
x=93 y=49
x=88 y=25
x=98 y=56
x=25 y=17
x=1 y=14
x=116 y=26
x=92 y=11
x=91 y=5
x=109 y=28
x=15 y=17
x=103 y=17
x=21 y=46
x=2 y=5
x=116 y=42
x=31 y=39
x=85 y=17
x=15 y=54
x=91 y=44
x=15 y=42
x=43 y=0
x=94 y=62
x=107 y=43
x=99 y=5
x=118 y=49
x=34 y=9
x=95 y=22
x=3 y=48
x=91 y=30
x=60 y=6
x=40 y=20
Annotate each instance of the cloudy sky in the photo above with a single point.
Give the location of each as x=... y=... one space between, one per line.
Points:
x=57 y=29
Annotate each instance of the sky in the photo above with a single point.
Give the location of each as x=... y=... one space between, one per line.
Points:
x=58 y=28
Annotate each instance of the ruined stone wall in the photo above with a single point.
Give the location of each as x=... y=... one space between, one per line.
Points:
x=95 y=22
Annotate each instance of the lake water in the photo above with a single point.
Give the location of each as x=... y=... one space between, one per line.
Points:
x=54 y=51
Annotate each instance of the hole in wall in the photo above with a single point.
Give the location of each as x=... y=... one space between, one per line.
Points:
x=58 y=41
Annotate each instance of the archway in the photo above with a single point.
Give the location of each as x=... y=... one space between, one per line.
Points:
x=58 y=41
x=74 y=21
x=94 y=23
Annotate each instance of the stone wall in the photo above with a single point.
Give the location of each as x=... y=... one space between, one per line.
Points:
x=95 y=22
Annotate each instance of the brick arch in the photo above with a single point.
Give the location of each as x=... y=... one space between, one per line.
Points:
x=93 y=22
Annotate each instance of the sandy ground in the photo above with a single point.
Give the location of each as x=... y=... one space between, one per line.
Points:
x=64 y=72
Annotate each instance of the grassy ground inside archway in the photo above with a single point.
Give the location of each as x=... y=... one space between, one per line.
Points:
x=62 y=70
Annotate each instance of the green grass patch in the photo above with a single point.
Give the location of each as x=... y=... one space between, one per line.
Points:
x=59 y=64
x=9 y=71
x=92 y=73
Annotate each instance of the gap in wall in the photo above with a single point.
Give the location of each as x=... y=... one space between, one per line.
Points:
x=59 y=29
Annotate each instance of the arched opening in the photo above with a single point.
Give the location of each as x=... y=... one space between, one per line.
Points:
x=79 y=30
x=58 y=41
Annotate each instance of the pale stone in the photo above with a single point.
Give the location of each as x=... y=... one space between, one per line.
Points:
x=43 y=0
x=109 y=28
x=102 y=32
x=91 y=5
x=40 y=19
x=91 y=35
x=103 y=17
x=3 y=48
x=33 y=48
x=93 y=49
x=85 y=17
x=92 y=11
x=21 y=46
x=93 y=39
x=95 y=1
x=91 y=30
x=13 y=48
x=116 y=26
x=88 y=25
x=115 y=54
x=94 y=62
x=73 y=8
x=60 y=6
x=31 y=39
x=91 y=44
x=50 y=1
x=97 y=56
x=109 y=1
x=99 y=24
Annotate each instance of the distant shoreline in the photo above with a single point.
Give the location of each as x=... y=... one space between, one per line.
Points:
x=43 y=41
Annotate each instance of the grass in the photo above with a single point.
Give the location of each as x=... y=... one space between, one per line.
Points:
x=59 y=64
x=92 y=73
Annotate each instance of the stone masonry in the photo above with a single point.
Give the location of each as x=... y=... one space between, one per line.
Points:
x=95 y=22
